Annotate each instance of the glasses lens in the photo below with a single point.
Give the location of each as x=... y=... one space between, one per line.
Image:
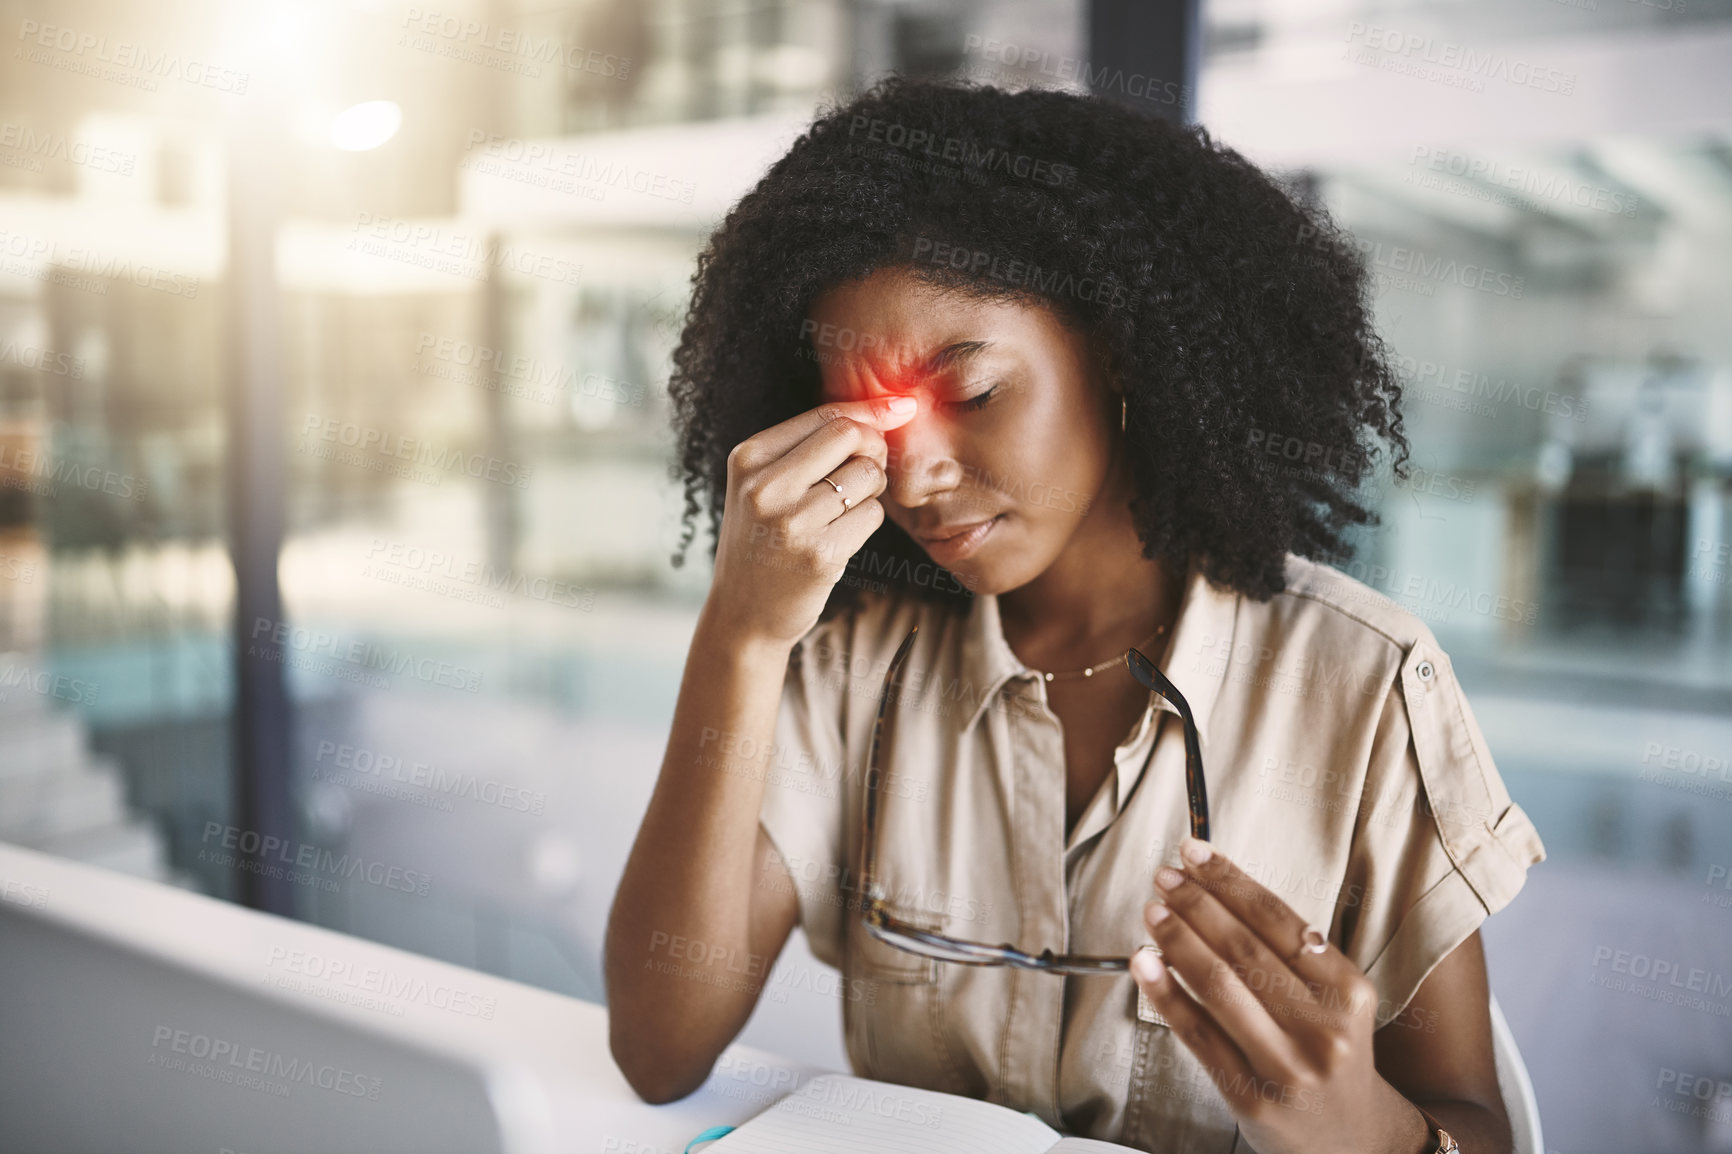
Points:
x=931 y=945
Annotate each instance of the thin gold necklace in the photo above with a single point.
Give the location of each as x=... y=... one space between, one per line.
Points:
x=1107 y=664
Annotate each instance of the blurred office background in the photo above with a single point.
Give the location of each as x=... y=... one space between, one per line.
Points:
x=270 y=253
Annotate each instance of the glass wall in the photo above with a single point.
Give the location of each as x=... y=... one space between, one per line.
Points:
x=1543 y=194
x=480 y=284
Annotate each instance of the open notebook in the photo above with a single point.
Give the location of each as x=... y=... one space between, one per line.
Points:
x=839 y=1114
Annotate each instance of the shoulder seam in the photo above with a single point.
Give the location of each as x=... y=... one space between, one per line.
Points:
x=1307 y=589
x=1351 y=616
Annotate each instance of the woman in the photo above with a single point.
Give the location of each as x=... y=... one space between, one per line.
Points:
x=1050 y=380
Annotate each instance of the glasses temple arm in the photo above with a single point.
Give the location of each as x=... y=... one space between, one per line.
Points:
x=1196 y=791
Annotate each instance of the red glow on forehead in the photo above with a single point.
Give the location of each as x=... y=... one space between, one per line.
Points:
x=879 y=370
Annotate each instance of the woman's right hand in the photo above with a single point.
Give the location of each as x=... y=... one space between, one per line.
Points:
x=785 y=539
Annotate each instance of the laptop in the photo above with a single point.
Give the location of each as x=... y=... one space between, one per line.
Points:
x=109 y=1042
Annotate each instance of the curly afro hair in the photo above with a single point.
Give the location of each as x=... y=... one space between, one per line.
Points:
x=1236 y=320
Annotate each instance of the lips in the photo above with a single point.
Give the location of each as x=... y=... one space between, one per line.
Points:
x=946 y=532
x=961 y=540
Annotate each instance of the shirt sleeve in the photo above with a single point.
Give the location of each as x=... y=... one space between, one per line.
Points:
x=805 y=788
x=1438 y=845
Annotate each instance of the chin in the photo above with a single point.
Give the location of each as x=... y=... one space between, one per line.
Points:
x=993 y=579
x=982 y=576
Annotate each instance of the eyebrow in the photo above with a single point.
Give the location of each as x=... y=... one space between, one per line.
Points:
x=952 y=353
x=947 y=356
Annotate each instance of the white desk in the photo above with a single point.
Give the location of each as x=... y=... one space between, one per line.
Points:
x=559 y=1043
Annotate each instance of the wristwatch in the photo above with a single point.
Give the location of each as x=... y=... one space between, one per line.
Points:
x=1441 y=1142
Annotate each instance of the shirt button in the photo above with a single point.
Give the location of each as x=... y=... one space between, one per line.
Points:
x=1424 y=670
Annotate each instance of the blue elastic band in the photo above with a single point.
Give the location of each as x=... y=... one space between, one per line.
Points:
x=709 y=1135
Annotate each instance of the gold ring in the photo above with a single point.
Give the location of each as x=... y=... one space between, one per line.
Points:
x=847 y=503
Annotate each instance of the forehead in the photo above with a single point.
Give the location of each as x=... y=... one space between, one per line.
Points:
x=892 y=301
x=893 y=312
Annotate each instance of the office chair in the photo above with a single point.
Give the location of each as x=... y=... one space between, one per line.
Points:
x=1517 y=1089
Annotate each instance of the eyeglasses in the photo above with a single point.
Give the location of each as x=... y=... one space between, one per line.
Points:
x=888 y=928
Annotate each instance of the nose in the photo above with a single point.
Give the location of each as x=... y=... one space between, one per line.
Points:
x=922 y=461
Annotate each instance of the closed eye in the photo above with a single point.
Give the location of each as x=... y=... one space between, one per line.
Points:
x=974 y=402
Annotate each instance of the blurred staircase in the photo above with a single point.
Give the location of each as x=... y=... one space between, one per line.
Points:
x=57 y=796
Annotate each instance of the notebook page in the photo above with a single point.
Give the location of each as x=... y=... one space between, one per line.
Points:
x=1089 y=1146
x=839 y=1114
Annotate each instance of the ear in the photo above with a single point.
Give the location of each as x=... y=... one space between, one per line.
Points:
x=1101 y=365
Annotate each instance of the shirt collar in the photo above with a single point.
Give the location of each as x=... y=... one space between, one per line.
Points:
x=1203 y=627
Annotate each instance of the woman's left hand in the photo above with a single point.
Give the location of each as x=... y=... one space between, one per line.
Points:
x=1285 y=1033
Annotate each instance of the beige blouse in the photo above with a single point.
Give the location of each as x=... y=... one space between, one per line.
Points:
x=1344 y=771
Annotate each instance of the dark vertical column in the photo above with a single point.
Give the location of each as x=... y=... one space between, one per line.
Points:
x=1146 y=54
x=498 y=504
x=263 y=722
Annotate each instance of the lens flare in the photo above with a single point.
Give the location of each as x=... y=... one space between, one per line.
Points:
x=366 y=126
